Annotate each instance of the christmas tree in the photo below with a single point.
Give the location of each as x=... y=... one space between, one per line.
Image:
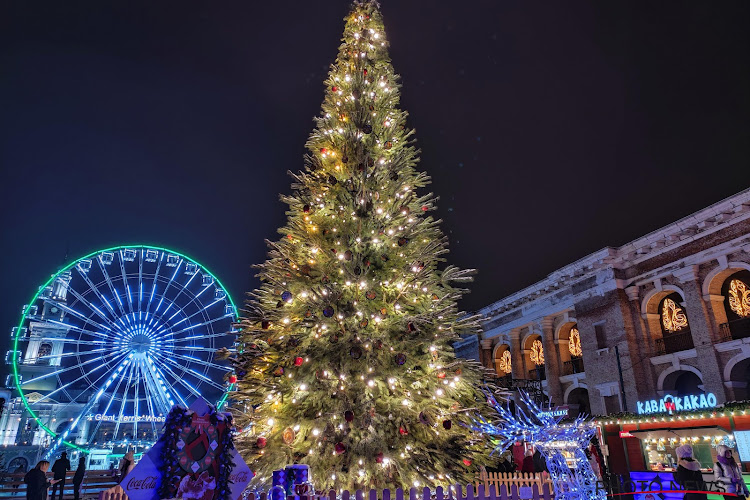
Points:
x=345 y=360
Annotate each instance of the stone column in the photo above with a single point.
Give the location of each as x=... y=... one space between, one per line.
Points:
x=699 y=320
x=644 y=343
x=485 y=354
x=516 y=355
x=551 y=361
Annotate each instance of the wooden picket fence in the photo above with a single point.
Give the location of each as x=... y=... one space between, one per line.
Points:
x=513 y=492
x=508 y=479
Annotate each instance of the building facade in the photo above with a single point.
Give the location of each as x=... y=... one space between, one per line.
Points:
x=666 y=314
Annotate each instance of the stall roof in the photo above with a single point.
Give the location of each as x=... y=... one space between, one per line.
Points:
x=687 y=432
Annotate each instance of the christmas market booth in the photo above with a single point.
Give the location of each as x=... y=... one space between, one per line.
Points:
x=642 y=445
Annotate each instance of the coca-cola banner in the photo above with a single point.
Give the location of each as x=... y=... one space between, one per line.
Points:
x=240 y=476
x=143 y=481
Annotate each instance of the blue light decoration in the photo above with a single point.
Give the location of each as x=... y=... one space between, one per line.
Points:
x=544 y=431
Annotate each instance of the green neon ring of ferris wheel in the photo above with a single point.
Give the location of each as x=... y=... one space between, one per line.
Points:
x=69 y=266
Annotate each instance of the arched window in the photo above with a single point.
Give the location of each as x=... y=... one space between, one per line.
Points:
x=44 y=350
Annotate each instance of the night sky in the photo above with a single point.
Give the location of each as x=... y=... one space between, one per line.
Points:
x=550 y=129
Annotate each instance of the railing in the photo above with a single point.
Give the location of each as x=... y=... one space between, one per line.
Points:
x=575 y=365
x=505 y=382
x=736 y=329
x=674 y=342
x=453 y=492
x=509 y=479
x=94 y=482
x=538 y=373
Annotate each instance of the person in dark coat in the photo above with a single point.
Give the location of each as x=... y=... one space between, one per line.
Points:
x=540 y=463
x=528 y=462
x=78 y=477
x=59 y=469
x=37 y=483
x=688 y=473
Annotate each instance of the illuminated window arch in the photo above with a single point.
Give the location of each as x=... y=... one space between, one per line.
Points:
x=574 y=343
x=672 y=314
x=537 y=352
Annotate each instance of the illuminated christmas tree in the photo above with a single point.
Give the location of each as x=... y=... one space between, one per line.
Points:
x=345 y=360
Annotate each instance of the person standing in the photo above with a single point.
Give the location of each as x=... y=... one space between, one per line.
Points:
x=78 y=477
x=126 y=465
x=727 y=471
x=689 y=474
x=59 y=469
x=37 y=483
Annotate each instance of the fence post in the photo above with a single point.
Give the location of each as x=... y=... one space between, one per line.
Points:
x=492 y=494
x=386 y=494
x=373 y=495
x=459 y=492
x=514 y=492
x=439 y=493
x=358 y=495
x=480 y=492
x=345 y=495
x=426 y=494
x=413 y=494
x=332 y=495
x=399 y=494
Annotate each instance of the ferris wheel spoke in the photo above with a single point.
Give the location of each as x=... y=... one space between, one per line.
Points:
x=112 y=288
x=197 y=375
x=124 y=399
x=58 y=372
x=72 y=341
x=199 y=337
x=156 y=382
x=114 y=392
x=166 y=330
x=156 y=280
x=149 y=403
x=92 y=307
x=166 y=288
x=75 y=313
x=85 y=375
x=201 y=362
x=68 y=354
x=79 y=329
x=180 y=380
x=95 y=290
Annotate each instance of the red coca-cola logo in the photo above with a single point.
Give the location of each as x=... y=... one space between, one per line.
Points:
x=146 y=483
x=239 y=477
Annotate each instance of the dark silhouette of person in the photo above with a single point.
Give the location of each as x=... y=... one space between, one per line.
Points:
x=59 y=469
x=37 y=483
x=78 y=477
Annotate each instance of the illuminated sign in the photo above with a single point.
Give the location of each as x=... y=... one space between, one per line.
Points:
x=670 y=404
x=558 y=411
x=126 y=419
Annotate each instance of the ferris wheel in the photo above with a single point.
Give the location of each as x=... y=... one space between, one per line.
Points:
x=115 y=339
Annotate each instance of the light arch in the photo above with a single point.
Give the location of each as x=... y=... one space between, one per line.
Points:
x=650 y=302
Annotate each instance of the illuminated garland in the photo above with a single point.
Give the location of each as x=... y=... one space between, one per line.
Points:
x=672 y=316
x=505 y=363
x=574 y=343
x=537 y=353
x=739 y=298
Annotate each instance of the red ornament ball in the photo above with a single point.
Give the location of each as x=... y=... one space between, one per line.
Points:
x=424 y=208
x=298 y=361
x=233 y=379
x=447 y=424
x=340 y=448
x=348 y=415
x=334 y=89
x=379 y=458
x=261 y=442
x=403 y=431
x=441 y=375
x=467 y=462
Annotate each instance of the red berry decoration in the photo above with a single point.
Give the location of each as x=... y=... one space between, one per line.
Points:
x=348 y=415
x=340 y=448
x=323 y=151
x=365 y=71
x=402 y=431
x=261 y=442
x=298 y=361
x=306 y=209
x=424 y=208
x=447 y=424
x=334 y=89
x=233 y=379
x=379 y=458
x=441 y=375
x=467 y=462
